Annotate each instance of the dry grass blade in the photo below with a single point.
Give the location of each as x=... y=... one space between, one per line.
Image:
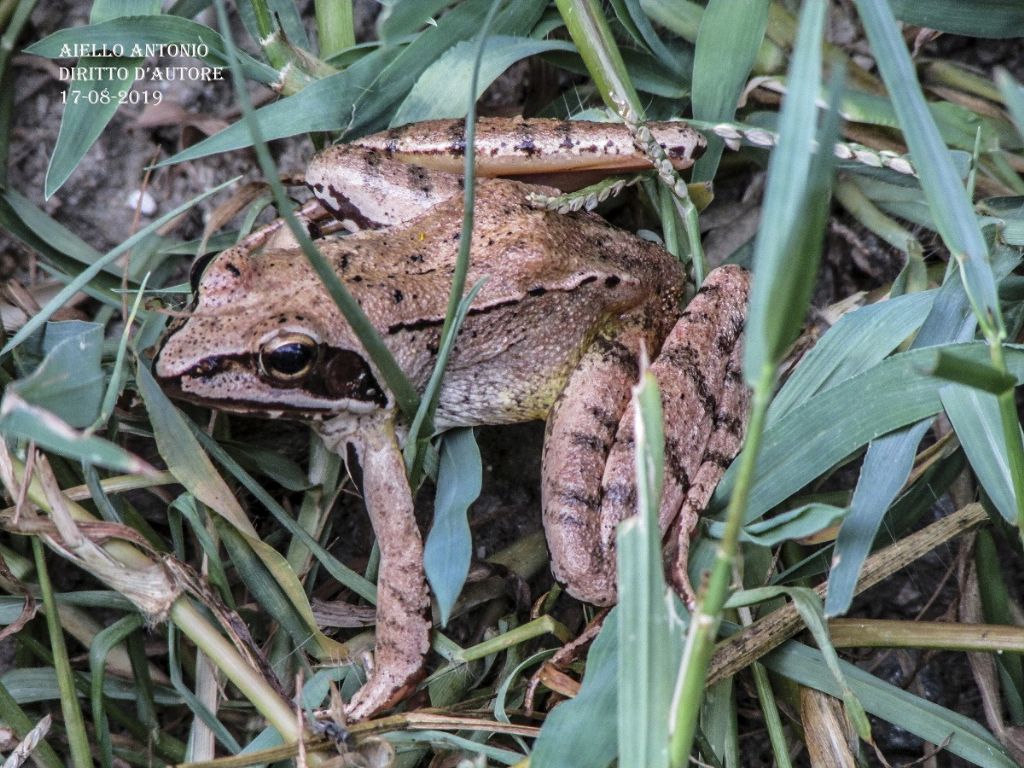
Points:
x=753 y=642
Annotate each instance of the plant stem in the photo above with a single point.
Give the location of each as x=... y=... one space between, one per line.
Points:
x=74 y=724
x=334 y=26
x=700 y=640
x=189 y=620
x=1011 y=434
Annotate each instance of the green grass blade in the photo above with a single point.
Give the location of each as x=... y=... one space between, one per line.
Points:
x=857 y=341
x=946 y=196
x=193 y=702
x=433 y=97
x=74 y=723
x=808 y=604
x=668 y=60
x=192 y=467
x=1013 y=97
x=260 y=581
x=718 y=80
x=783 y=271
x=997 y=607
x=332 y=565
x=90 y=106
x=19 y=419
x=90 y=272
x=978 y=18
x=15 y=717
x=886 y=468
x=101 y=646
x=983 y=377
x=649 y=649
x=593 y=38
x=407 y=16
x=814 y=437
x=335 y=26
x=804 y=521
x=69 y=381
x=959 y=734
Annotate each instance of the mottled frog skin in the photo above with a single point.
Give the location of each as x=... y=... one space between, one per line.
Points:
x=555 y=333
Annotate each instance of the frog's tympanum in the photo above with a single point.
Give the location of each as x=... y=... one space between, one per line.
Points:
x=555 y=333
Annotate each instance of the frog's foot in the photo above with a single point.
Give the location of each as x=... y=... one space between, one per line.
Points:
x=403 y=624
x=568 y=654
x=589 y=483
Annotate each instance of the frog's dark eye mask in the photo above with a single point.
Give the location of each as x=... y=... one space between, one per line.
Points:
x=297 y=360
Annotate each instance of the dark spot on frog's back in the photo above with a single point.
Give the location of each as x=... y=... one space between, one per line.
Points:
x=527 y=146
x=457 y=138
x=524 y=139
x=398 y=296
x=611 y=281
x=564 y=129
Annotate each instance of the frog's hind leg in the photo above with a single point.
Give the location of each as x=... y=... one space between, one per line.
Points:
x=589 y=482
x=581 y=430
x=719 y=326
x=372 y=189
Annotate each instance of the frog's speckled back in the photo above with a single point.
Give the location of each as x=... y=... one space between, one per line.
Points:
x=550 y=281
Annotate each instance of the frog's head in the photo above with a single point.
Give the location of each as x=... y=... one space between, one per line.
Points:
x=265 y=339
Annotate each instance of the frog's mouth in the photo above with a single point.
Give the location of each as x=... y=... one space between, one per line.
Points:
x=340 y=382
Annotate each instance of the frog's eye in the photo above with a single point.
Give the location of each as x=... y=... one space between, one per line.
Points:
x=288 y=357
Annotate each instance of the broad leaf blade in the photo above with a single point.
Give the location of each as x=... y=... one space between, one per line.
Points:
x=817 y=435
x=562 y=743
x=433 y=97
x=69 y=380
x=20 y=419
x=718 y=80
x=449 y=545
x=977 y=18
x=975 y=418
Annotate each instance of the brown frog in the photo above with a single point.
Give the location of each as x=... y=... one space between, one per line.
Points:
x=555 y=333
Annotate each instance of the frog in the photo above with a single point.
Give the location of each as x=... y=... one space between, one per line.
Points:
x=567 y=308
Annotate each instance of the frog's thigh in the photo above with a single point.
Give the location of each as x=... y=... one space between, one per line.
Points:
x=403 y=628
x=704 y=404
x=581 y=428
x=704 y=399
x=374 y=190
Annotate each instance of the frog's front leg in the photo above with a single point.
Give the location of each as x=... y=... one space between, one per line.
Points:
x=403 y=605
x=589 y=485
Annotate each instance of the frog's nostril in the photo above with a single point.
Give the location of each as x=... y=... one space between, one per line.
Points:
x=205 y=368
